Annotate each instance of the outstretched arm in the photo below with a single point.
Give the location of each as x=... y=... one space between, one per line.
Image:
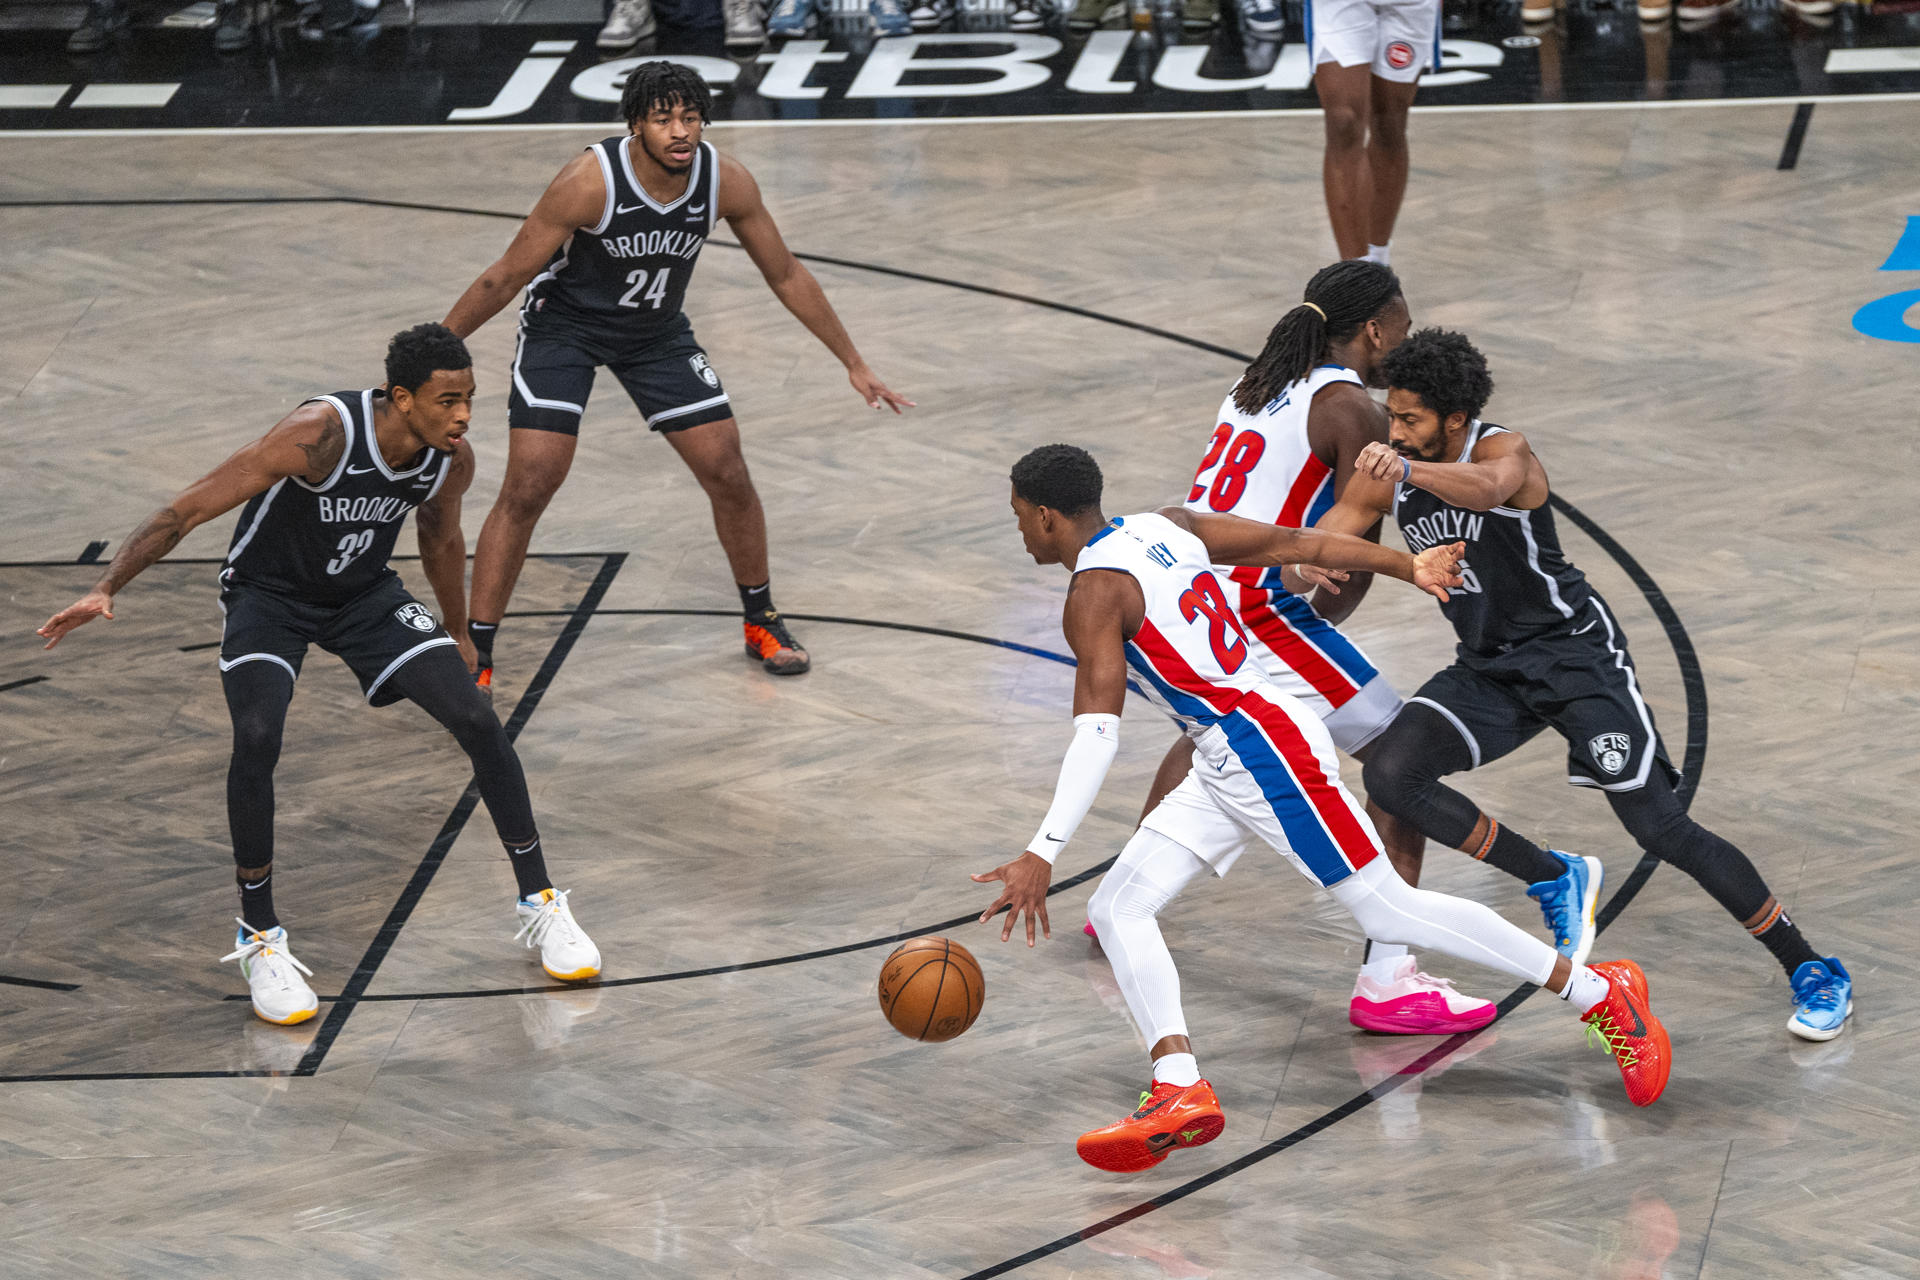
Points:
x=1499 y=471
x=443 y=548
x=1232 y=540
x=792 y=283
x=307 y=442
x=576 y=198
x=1099 y=608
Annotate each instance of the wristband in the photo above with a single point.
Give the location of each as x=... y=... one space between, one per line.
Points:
x=1095 y=740
x=1406 y=469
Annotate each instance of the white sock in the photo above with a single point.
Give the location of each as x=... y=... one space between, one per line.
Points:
x=1585 y=989
x=1176 y=1068
x=1380 y=253
x=1382 y=959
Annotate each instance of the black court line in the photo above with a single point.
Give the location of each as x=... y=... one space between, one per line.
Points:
x=1796 y=134
x=41 y=983
x=21 y=684
x=91 y=555
x=849 y=263
x=363 y=973
x=423 y=875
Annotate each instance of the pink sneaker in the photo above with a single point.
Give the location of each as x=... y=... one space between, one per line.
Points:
x=1415 y=1004
x=1089 y=931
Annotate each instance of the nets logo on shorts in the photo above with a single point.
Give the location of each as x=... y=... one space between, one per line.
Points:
x=705 y=370
x=1609 y=751
x=416 y=615
x=1399 y=55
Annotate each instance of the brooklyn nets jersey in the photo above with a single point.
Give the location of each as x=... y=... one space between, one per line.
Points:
x=624 y=278
x=326 y=543
x=1518 y=584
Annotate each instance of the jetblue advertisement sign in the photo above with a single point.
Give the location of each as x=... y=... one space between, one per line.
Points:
x=167 y=78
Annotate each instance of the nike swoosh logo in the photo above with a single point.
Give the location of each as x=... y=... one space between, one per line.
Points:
x=1639 y=1028
x=628 y=208
x=1144 y=1112
x=1056 y=839
x=359 y=471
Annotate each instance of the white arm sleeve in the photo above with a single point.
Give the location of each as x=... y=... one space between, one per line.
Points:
x=1095 y=740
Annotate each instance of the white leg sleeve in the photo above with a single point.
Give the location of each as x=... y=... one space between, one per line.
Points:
x=1391 y=910
x=1151 y=872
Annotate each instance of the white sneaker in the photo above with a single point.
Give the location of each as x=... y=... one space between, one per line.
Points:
x=630 y=22
x=566 y=952
x=280 y=994
x=1415 y=1004
x=746 y=24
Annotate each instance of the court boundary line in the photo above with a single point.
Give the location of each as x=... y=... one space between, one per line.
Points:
x=895 y=122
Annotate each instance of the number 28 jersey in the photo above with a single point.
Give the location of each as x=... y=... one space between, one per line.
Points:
x=1190 y=653
x=622 y=282
x=324 y=544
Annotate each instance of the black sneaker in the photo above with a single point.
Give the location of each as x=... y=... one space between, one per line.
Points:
x=104 y=17
x=233 y=29
x=769 y=641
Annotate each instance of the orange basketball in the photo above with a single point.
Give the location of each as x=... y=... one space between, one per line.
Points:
x=931 y=989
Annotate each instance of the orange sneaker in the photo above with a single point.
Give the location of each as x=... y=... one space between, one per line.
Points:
x=1169 y=1116
x=769 y=641
x=483 y=681
x=1624 y=1025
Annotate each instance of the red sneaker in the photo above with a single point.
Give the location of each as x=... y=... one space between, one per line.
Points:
x=1169 y=1116
x=773 y=646
x=1624 y=1025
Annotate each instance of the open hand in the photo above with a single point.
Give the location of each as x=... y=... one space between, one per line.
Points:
x=874 y=391
x=1025 y=882
x=1437 y=568
x=1302 y=578
x=94 y=604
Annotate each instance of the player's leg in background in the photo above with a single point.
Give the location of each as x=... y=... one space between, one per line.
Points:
x=1174 y=767
x=537 y=465
x=1346 y=101
x=436 y=680
x=1387 y=160
x=712 y=452
x=258 y=694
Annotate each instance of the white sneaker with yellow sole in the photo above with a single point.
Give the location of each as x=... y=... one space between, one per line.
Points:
x=280 y=994
x=546 y=922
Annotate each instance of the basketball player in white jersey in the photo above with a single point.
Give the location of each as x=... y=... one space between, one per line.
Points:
x=1144 y=597
x=1367 y=59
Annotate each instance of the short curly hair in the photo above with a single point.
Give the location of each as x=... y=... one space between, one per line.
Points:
x=1446 y=371
x=1061 y=477
x=657 y=84
x=415 y=355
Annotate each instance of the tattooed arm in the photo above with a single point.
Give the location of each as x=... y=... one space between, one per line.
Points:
x=307 y=443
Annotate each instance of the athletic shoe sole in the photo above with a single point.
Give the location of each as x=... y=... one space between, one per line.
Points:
x=1404 y=1017
x=292 y=1019
x=1815 y=1034
x=1131 y=1153
x=1596 y=876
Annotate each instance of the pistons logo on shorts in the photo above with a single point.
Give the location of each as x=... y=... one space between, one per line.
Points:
x=416 y=615
x=705 y=370
x=1609 y=751
x=1399 y=55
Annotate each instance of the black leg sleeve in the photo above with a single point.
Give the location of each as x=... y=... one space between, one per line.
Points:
x=257 y=698
x=1403 y=769
x=1653 y=817
x=439 y=682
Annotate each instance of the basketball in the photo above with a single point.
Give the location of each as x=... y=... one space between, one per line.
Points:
x=931 y=989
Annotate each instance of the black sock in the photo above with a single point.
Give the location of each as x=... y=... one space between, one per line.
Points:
x=256 y=901
x=756 y=599
x=482 y=633
x=1518 y=856
x=1782 y=937
x=529 y=867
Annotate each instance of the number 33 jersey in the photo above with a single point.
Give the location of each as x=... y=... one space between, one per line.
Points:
x=621 y=282
x=1190 y=653
x=326 y=543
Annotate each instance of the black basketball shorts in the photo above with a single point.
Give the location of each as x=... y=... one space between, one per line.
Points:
x=1580 y=681
x=670 y=381
x=375 y=633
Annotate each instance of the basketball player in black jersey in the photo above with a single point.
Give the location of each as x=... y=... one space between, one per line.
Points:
x=605 y=257
x=1538 y=648
x=327 y=490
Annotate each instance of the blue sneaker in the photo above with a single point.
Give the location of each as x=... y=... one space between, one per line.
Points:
x=1822 y=999
x=1567 y=904
x=889 y=18
x=790 y=18
x=1262 y=18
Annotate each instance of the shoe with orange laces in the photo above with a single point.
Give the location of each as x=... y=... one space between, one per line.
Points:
x=769 y=641
x=1624 y=1025
x=1169 y=1116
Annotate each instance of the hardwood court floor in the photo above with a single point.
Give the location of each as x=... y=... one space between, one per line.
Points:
x=1667 y=315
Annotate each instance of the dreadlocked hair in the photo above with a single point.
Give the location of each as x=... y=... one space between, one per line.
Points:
x=1351 y=293
x=652 y=86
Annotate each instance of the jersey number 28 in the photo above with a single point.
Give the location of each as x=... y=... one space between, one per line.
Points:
x=1223 y=627
x=1240 y=457
x=655 y=295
